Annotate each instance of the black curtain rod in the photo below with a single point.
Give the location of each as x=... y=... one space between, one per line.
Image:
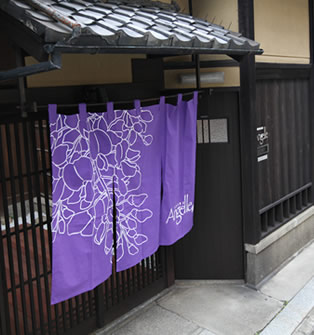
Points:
x=94 y=106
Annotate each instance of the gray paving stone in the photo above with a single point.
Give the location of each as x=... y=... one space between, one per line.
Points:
x=287 y=321
x=223 y=309
x=122 y=332
x=307 y=325
x=287 y=282
x=202 y=331
x=157 y=321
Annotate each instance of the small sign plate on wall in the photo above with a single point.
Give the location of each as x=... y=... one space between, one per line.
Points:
x=262 y=144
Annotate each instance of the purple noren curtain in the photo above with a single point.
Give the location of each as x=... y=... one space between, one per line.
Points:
x=178 y=180
x=121 y=158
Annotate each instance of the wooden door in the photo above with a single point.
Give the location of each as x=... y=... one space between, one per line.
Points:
x=214 y=247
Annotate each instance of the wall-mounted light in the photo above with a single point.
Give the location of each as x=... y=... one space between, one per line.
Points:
x=205 y=78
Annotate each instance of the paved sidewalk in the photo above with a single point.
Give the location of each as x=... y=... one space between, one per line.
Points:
x=282 y=306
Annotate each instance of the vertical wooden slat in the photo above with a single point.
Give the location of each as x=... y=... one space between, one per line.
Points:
x=4 y=303
x=77 y=309
x=304 y=198
x=299 y=201
x=123 y=284
x=264 y=118
x=284 y=110
x=293 y=205
x=307 y=152
x=310 y=196
x=293 y=132
x=90 y=303
x=143 y=273
x=46 y=169
x=264 y=222
x=37 y=148
x=169 y=263
x=64 y=316
x=100 y=306
x=271 y=217
x=118 y=286
x=154 y=269
x=9 y=138
x=129 y=281
x=279 y=213
x=286 y=209
x=299 y=126
x=108 y=294
x=139 y=277
x=8 y=235
x=83 y=297
x=29 y=164
x=25 y=226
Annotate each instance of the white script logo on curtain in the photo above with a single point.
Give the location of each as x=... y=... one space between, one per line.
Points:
x=179 y=210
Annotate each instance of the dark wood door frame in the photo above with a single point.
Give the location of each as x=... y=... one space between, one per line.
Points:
x=311 y=26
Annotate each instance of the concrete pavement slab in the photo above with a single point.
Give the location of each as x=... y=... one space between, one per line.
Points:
x=157 y=321
x=223 y=309
x=122 y=332
x=287 y=282
x=307 y=325
x=202 y=331
x=287 y=321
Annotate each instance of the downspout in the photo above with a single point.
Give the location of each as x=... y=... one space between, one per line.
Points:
x=54 y=63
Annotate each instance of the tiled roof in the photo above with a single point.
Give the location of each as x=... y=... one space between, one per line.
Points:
x=124 y=24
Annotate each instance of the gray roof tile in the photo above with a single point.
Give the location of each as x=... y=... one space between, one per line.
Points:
x=119 y=17
x=21 y=4
x=101 y=31
x=39 y=16
x=143 y=19
x=103 y=10
x=93 y=14
x=125 y=12
x=124 y=23
x=82 y=19
x=61 y=9
x=114 y=24
x=72 y=6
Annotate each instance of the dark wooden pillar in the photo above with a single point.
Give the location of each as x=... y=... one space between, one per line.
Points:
x=311 y=95
x=251 y=220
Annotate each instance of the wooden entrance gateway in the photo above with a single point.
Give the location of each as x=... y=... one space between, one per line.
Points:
x=25 y=235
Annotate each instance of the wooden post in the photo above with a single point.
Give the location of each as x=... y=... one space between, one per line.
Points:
x=100 y=305
x=169 y=263
x=311 y=102
x=251 y=220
